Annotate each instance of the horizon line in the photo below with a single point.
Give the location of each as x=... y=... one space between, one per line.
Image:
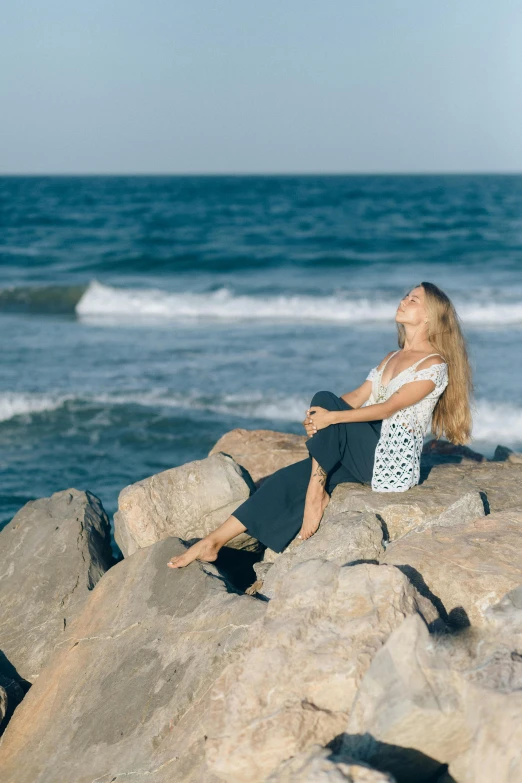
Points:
x=268 y=174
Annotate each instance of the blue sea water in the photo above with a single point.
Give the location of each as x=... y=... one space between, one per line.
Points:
x=143 y=317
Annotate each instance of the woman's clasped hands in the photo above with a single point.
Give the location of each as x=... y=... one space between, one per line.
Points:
x=316 y=419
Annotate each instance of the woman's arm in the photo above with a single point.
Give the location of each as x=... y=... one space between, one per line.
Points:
x=407 y=395
x=358 y=396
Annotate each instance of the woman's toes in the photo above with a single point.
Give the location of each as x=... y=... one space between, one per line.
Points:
x=199 y=551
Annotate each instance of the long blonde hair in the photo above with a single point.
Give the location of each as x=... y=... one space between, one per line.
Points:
x=452 y=413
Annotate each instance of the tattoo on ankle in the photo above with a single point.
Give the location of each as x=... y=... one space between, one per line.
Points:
x=321 y=474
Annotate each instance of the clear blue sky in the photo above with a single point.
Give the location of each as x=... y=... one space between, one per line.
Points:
x=237 y=86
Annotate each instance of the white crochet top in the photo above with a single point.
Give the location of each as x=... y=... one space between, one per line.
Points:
x=398 y=453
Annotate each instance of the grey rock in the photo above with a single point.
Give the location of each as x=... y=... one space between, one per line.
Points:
x=187 y=502
x=504 y=453
x=438 y=451
x=52 y=553
x=126 y=693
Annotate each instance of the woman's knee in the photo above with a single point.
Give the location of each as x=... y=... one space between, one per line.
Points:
x=323 y=398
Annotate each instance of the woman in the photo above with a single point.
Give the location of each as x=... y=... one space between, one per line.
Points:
x=372 y=435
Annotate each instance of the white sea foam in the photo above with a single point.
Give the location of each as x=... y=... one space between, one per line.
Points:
x=23 y=403
x=493 y=422
x=497 y=422
x=102 y=301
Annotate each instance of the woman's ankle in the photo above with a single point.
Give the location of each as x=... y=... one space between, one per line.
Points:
x=316 y=496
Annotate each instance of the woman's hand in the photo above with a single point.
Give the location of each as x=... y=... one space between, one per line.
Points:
x=317 y=418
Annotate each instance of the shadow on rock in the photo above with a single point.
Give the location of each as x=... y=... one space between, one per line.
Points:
x=457 y=617
x=407 y=765
x=236 y=566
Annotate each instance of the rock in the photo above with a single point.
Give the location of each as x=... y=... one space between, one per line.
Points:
x=408 y=716
x=493 y=697
x=455 y=492
x=125 y=695
x=499 y=483
x=495 y=751
x=319 y=765
x=503 y=454
x=505 y=617
x=428 y=702
x=342 y=538
x=262 y=452
x=52 y=553
x=187 y=502
x=295 y=680
x=401 y=512
x=436 y=451
x=468 y=566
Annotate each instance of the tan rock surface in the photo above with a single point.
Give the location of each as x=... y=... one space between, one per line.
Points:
x=187 y=502
x=295 y=681
x=409 y=711
x=402 y=512
x=262 y=452
x=468 y=566
x=428 y=701
x=495 y=751
x=453 y=492
x=341 y=538
x=52 y=554
x=124 y=696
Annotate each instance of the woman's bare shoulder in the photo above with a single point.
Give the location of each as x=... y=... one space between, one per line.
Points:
x=386 y=358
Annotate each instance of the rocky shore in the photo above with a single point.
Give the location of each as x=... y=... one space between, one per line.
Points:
x=387 y=648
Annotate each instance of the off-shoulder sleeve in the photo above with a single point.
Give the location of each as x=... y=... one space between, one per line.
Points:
x=371 y=374
x=438 y=373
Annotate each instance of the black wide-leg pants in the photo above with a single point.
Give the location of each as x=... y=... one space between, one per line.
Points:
x=346 y=452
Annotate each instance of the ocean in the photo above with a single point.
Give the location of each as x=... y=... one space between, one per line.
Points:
x=142 y=317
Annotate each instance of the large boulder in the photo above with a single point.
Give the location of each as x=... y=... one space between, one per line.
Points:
x=342 y=538
x=262 y=452
x=408 y=717
x=187 y=502
x=52 y=554
x=499 y=483
x=402 y=512
x=468 y=565
x=125 y=695
x=450 y=493
x=428 y=702
x=296 y=679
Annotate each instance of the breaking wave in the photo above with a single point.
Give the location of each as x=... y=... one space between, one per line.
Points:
x=108 y=303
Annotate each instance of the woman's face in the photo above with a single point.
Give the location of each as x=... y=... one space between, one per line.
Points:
x=411 y=309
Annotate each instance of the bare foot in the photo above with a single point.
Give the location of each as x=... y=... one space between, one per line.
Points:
x=313 y=513
x=204 y=550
